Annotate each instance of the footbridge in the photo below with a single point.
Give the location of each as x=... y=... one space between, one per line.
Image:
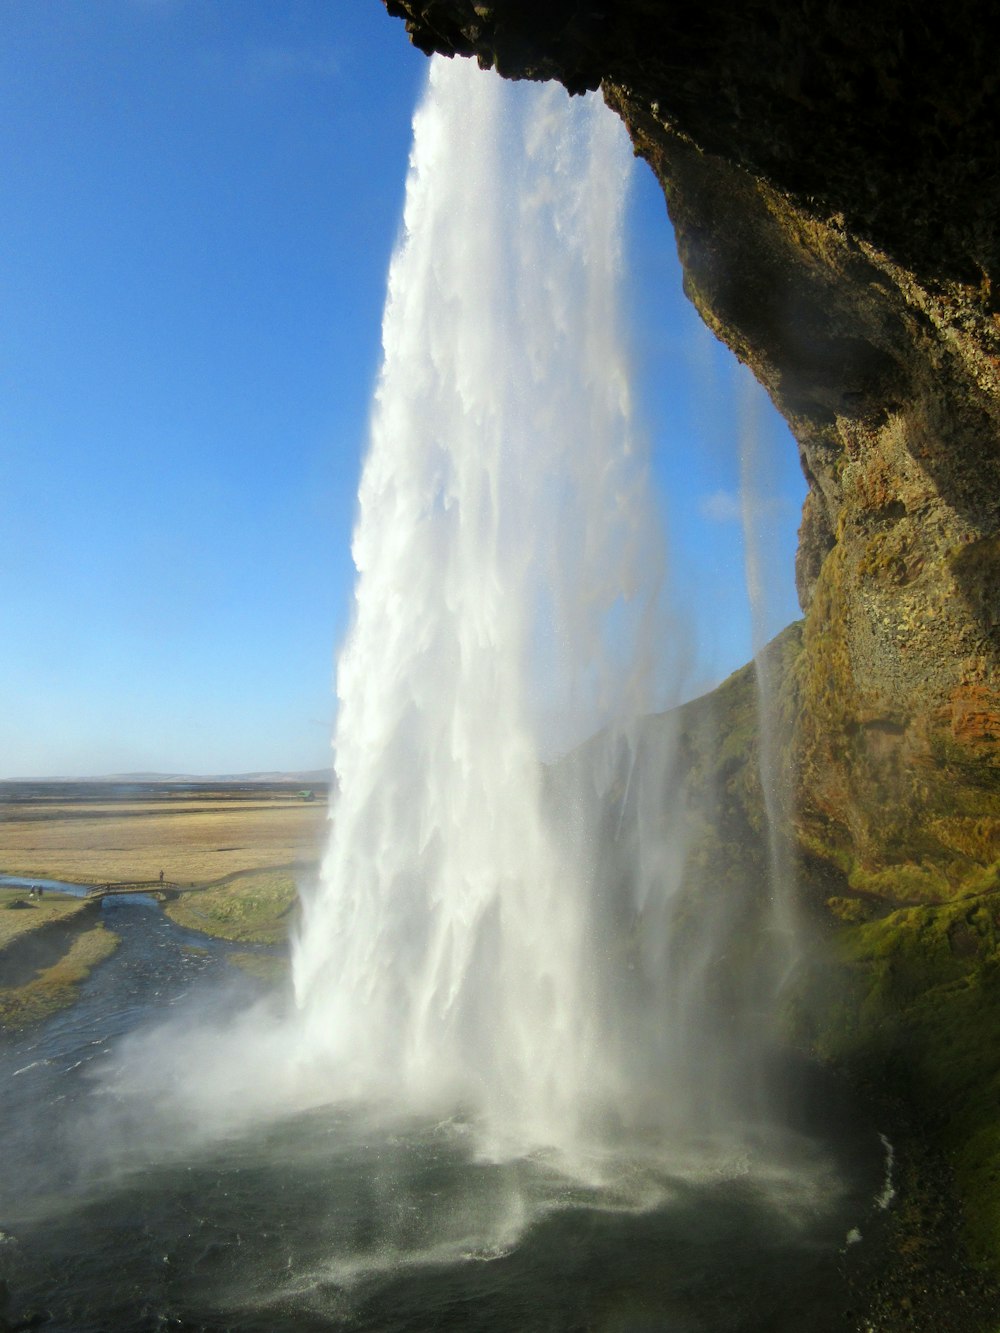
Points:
x=156 y=888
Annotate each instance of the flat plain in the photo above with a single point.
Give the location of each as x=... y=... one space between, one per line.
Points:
x=96 y=833
x=232 y=856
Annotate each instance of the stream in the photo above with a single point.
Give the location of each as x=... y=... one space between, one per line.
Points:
x=339 y=1217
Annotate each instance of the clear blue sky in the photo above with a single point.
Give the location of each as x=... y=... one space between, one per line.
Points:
x=199 y=202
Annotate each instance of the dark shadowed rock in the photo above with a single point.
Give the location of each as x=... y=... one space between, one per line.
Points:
x=833 y=175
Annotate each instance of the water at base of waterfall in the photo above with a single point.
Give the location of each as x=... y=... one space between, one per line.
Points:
x=341 y=1218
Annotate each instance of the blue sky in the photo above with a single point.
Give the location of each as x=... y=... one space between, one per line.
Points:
x=200 y=199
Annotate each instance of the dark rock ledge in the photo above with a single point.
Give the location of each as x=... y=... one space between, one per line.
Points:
x=833 y=175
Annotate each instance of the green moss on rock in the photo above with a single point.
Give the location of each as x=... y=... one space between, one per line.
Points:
x=912 y=1004
x=902 y=987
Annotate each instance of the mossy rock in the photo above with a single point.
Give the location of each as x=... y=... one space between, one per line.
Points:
x=911 y=1003
x=850 y=911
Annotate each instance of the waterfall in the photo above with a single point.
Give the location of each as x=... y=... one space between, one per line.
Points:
x=756 y=503
x=534 y=977
x=503 y=555
x=519 y=939
x=521 y=1083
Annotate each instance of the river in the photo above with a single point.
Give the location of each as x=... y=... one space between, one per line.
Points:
x=337 y=1218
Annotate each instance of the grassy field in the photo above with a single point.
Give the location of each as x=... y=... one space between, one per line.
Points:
x=55 y=987
x=16 y=920
x=194 y=837
x=234 y=849
x=250 y=909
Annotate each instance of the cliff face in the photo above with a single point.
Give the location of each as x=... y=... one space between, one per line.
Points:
x=834 y=183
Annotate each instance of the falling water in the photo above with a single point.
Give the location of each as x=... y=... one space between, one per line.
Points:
x=502 y=547
x=762 y=571
x=516 y=939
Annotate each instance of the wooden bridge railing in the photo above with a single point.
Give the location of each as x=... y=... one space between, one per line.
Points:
x=132 y=886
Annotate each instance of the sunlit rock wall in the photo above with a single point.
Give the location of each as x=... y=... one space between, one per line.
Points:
x=833 y=177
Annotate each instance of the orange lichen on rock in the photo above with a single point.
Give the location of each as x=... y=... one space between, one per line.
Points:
x=975 y=717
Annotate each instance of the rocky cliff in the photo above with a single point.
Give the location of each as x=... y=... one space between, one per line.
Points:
x=833 y=176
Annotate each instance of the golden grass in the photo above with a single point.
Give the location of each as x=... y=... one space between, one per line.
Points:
x=251 y=909
x=193 y=843
x=55 y=987
x=241 y=846
x=15 y=922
